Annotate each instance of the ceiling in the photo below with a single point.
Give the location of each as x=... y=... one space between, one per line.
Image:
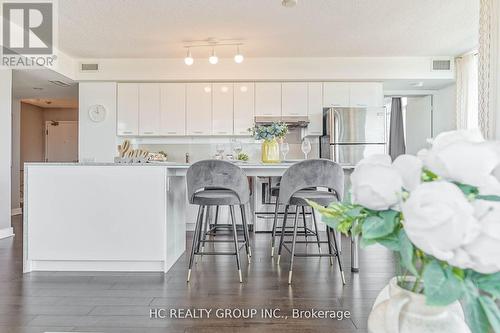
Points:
x=313 y=28
x=24 y=82
x=53 y=103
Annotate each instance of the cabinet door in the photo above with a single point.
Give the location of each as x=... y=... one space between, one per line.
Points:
x=222 y=108
x=244 y=107
x=294 y=99
x=128 y=109
x=268 y=99
x=315 y=108
x=149 y=109
x=365 y=94
x=173 y=109
x=335 y=94
x=199 y=108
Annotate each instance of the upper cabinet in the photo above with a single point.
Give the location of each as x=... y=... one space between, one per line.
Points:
x=222 y=108
x=335 y=94
x=315 y=108
x=199 y=108
x=173 y=109
x=149 y=109
x=364 y=94
x=244 y=107
x=352 y=94
x=294 y=99
x=128 y=109
x=268 y=99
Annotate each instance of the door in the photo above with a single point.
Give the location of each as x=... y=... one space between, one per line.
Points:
x=244 y=107
x=315 y=109
x=149 y=109
x=418 y=123
x=173 y=109
x=294 y=99
x=128 y=109
x=335 y=94
x=268 y=99
x=366 y=94
x=61 y=141
x=199 y=108
x=222 y=108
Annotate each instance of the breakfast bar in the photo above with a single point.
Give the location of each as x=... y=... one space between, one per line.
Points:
x=109 y=217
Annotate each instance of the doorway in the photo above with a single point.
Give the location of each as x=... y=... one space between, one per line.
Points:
x=61 y=141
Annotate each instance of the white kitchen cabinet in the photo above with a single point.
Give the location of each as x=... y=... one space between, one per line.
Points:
x=268 y=99
x=199 y=109
x=222 y=108
x=149 y=109
x=294 y=99
x=315 y=108
x=173 y=109
x=336 y=94
x=365 y=94
x=128 y=109
x=244 y=107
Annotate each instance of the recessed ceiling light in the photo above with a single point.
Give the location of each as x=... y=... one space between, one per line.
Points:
x=288 y=3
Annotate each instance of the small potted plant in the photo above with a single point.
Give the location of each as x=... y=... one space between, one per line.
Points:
x=270 y=134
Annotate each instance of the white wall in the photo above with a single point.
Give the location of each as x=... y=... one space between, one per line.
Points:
x=444 y=114
x=16 y=156
x=5 y=151
x=308 y=69
x=97 y=141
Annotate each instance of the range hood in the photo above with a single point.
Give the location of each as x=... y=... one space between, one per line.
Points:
x=291 y=121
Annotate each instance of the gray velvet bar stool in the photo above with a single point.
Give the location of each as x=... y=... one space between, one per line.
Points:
x=295 y=189
x=217 y=183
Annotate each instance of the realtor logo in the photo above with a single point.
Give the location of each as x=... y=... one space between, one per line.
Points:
x=28 y=34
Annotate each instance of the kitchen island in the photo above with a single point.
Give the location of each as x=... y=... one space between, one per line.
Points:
x=108 y=217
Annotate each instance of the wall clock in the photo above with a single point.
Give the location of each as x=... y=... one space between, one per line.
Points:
x=97 y=113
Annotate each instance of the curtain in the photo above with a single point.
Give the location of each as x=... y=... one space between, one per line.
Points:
x=467 y=91
x=396 y=130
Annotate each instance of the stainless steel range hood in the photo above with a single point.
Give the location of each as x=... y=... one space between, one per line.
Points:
x=291 y=121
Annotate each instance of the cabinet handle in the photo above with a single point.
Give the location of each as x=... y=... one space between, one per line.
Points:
x=127 y=132
x=361 y=104
x=221 y=132
x=171 y=132
x=148 y=132
x=244 y=132
x=198 y=132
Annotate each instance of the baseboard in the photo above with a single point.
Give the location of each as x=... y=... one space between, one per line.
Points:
x=16 y=211
x=6 y=232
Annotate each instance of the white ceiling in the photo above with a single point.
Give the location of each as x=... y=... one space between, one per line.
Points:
x=24 y=82
x=313 y=28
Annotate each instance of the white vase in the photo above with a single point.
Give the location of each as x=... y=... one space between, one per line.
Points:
x=397 y=310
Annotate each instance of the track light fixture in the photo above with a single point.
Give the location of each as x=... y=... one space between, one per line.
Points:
x=213 y=59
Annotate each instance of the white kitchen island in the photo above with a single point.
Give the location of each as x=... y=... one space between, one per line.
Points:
x=108 y=217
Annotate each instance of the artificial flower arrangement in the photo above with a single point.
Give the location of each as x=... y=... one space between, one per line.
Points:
x=276 y=130
x=440 y=212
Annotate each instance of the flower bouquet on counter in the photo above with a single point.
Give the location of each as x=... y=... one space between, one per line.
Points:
x=439 y=212
x=270 y=135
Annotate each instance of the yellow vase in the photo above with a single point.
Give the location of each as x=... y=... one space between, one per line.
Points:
x=270 y=151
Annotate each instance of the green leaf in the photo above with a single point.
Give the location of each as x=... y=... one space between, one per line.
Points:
x=489 y=283
x=474 y=312
x=363 y=242
x=467 y=189
x=407 y=253
x=376 y=227
x=355 y=211
x=428 y=176
x=492 y=312
x=488 y=197
x=441 y=286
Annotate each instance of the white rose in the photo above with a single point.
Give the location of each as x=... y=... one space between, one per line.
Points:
x=376 y=186
x=383 y=159
x=410 y=169
x=466 y=162
x=482 y=254
x=446 y=138
x=438 y=219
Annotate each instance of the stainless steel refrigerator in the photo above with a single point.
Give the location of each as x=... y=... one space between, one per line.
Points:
x=350 y=134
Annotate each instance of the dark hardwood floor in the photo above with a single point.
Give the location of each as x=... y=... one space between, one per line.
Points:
x=121 y=302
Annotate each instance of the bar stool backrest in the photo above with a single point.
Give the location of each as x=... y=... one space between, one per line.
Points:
x=216 y=174
x=312 y=173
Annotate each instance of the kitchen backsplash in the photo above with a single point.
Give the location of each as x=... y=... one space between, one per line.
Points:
x=199 y=151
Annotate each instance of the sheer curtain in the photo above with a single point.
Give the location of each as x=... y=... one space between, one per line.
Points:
x=467 y=91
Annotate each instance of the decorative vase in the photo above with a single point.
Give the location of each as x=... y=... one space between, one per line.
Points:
x=397 y=310
x=270 y=151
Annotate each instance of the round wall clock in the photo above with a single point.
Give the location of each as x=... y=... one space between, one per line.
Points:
x=97 y=113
